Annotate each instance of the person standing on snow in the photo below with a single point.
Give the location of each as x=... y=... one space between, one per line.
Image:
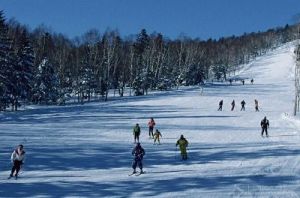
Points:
x=151 y=125
x=256 y=105
x=138 y=152
x=220 y=105
x=183 y=143
x=232 y=105
x=264 y=126
x=243 y=103
x=157 y=134
x=17 y=159
x=136 y=133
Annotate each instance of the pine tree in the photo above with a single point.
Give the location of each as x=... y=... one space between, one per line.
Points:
x=7 y=63
x=22 y=76
x=140 y=83
x=46 y=84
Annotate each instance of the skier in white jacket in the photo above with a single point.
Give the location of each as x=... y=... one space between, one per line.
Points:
x=17 y=159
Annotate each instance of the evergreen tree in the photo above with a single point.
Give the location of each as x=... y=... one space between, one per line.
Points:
x=22 y=77
x=7 y=64
x=46 y=84
x=141 y=69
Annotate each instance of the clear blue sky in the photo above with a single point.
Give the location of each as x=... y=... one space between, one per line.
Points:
x=195 y=18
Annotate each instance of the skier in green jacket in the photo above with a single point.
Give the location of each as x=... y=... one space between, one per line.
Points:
x=183 y=143
x=136 y=133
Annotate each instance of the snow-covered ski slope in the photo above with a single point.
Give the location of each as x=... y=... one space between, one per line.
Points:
x=85 y=150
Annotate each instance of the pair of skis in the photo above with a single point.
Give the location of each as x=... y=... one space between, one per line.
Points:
x=16 y=177
x=137 y=173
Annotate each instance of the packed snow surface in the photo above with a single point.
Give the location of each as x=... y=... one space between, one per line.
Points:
x=85 y=150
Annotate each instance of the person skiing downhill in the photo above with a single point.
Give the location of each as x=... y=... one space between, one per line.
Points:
x=183 y=143
x=151 y=125
x=243 y=103
x=157 y=134
x=232 y=105
x=264 y=126
x=136 y=133
x=220 y=105
x=17 y=159
x=256 y=105
x=138 y=152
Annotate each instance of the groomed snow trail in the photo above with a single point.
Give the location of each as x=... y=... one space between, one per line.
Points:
x=85 y=151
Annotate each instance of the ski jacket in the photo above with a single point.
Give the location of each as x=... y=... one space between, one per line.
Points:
x=19 y=156
x=138 y=152
x=182 y=142
x=243 y=103
x=157 y=134
x=136 y=130
x=264 y=123
x=151 y=123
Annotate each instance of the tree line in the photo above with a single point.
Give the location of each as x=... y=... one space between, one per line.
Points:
x=44 y=67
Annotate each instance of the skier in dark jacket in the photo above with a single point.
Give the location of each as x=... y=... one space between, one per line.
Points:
x=220 y=105
x=136 y=133
x=138 y=152
x=256 y=105
x=264 y=126
x=243 y=103
x=17 y=159
x=232 y=105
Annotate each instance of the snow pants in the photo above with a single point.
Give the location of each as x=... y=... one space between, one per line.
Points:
x=220 y=108
x=136 y=137
x=183 y=153
x=264 y=129
x=156 y=138
x=137 y=162
x=151 y=131
x=16 y=167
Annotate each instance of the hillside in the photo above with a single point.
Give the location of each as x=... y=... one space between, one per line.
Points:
x=85 y=151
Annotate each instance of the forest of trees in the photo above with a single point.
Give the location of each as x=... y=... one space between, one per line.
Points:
x=43 y=67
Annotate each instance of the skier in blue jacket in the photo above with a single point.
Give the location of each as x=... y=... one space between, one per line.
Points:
x=138 y=152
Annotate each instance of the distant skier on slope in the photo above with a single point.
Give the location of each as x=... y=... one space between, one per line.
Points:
x=157 y=134
x=136 y=133
x=252 y=81
x=183 y=143
x=264 y=126
x=220 y=105
x=17 y=159
x=232 y=105
x=256 y=105
x=138 y=152
x=151 y=125
x=243 y=103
